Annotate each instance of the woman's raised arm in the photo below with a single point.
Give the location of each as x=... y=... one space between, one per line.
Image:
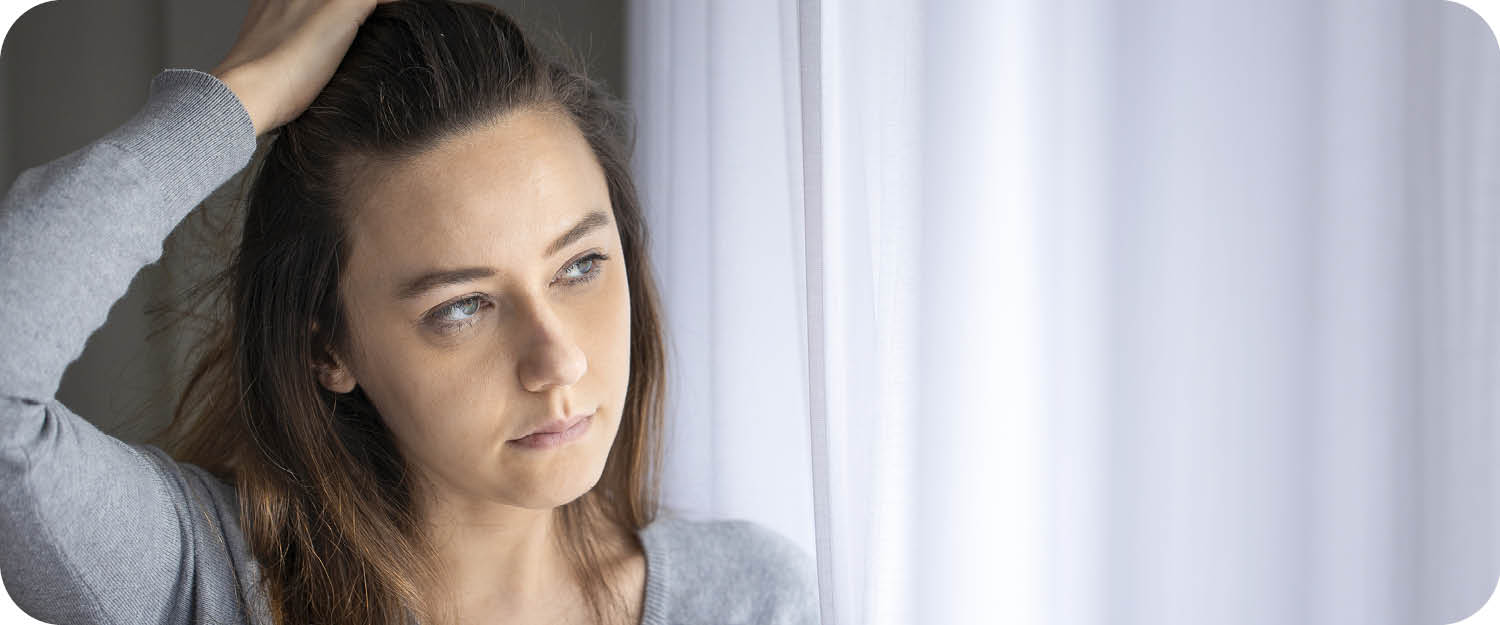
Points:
x=93 y=530
x=90 y=528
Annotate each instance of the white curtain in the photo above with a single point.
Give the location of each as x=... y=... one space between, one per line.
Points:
x=1115 y=312
x=715 y=90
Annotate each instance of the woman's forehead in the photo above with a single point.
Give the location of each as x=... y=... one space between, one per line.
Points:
x=506 y=188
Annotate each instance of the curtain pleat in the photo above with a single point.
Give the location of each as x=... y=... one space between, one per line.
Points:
x=1155 y=312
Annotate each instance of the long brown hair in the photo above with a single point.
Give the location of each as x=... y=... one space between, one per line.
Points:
x=325 y=497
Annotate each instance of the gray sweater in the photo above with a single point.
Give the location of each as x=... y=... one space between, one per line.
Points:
x=96 y=530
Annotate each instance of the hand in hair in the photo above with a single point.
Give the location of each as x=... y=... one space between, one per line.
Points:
x=285 y=53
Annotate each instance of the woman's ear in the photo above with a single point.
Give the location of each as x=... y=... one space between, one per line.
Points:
x=333 y=373
x=336 y=377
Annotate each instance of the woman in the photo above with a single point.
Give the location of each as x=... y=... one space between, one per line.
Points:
x=437 y=393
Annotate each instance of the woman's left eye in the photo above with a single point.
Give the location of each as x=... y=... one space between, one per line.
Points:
x=584 y=269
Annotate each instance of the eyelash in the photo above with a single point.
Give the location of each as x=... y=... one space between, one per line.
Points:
x=447 y=327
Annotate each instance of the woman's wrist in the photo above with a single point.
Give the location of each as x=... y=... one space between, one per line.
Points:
x=244 y=85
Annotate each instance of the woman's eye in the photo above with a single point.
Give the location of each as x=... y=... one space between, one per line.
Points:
x=455 y=316
x=584 y=269
x=461 y=309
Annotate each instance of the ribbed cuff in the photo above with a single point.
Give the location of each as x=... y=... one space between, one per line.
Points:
x=193 y=133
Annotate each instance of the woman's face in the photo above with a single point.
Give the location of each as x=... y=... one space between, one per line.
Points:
x=487 y=298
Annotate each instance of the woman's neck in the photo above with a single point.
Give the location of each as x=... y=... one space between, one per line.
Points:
x=500 y=557
x=500 y=563
x=496 y=563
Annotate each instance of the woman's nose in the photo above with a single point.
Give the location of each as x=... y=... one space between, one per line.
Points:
x=550 y=357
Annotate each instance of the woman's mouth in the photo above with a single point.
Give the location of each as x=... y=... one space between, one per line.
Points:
x=549 y=440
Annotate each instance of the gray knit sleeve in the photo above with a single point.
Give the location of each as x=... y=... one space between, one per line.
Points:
x=93 y=530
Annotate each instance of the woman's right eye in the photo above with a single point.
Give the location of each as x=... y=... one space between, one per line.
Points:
x=455 y=316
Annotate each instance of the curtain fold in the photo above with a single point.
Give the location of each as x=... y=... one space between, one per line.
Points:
x=1155 y=312
x=718 y=165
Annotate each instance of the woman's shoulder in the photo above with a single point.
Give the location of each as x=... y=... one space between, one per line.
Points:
x=729 y=571
x=726 y=541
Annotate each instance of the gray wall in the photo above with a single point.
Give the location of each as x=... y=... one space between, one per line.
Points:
x=72 y=70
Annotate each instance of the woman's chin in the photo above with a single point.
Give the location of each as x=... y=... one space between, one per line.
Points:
x=557 y=484
x=552 y=495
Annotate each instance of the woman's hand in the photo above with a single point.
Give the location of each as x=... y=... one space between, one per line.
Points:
x=286 y=52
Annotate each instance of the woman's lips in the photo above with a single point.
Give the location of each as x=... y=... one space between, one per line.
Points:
x=549 y=440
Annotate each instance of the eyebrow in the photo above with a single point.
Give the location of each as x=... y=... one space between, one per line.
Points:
x=593 y=220
x=447 y=277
